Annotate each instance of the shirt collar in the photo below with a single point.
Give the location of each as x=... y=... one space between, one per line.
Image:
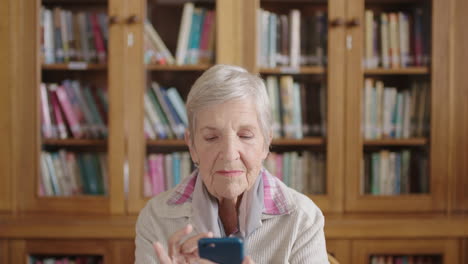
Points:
x=276 y=200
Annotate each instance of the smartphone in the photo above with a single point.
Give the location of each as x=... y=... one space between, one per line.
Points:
x=228 y=250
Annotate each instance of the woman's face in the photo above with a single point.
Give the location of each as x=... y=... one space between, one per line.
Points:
x=229 y=147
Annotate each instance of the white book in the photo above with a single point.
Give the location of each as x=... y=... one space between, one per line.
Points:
x=368 y=91
x=184 y=32
x=404 y=39
x=64 y=32
x=259 y=34
x=153 y=116
x=156 y=39
x=45 y=175
x=272 y=89
x=272 y=26
x=406 y=114
x=384 y=169
x=384 y=38
x=49 y=53
x=297 y=111
x=369 y=39
x=67 y=177
x=379 y=86
x=178 y=104
x=394 y=40
x=295 y=29
x=150 y=133
x=265 y=42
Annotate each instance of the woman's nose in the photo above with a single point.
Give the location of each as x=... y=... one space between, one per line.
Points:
x=230 y=149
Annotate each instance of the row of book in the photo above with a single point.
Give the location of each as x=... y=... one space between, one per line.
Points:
x=291 y=40
x=73 y=110
x=396 y=39
x=164 y=171
x=195 y=43
x=165 y=114
x=302 y=171
x=65 y=260
x=389 y=112
x=298 y=108
x=73 y=36
x=405 y=260
x=65 y=173
x=395 y=172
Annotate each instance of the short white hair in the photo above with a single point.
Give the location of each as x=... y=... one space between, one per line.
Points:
x=222 y=83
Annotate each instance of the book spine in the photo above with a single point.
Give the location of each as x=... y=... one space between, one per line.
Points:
x=184 y=31
x=72 y=119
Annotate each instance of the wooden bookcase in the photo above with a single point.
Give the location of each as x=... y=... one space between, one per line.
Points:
x=434 y=201
x=22 y=249
x=448 y=250
x=359 y=225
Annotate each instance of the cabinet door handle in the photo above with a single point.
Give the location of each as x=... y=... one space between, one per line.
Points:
x=354 y=22
x=337 y=22
x=113 y=20
x=132 y=19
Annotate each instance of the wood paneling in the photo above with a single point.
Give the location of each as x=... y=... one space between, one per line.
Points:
x=5 y=107
x=21 y=249
x=340 y=250
x=4 y=251
x=123 y=251
x=449 y=249
x=459 y=195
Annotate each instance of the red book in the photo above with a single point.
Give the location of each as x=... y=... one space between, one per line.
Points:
x=72 y=118
x=61 y=127
x=98 y=39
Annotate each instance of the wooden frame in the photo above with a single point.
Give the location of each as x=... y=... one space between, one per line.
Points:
x=459 y=142
x=340 y=250
x=363 y=249
x=123 y=251
x=435 y=201
x=21 y=249
x=26 y=121
x=6 y=60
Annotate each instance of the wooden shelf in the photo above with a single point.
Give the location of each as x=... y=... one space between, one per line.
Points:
x=74 y=142
x=292 y=70
x=311 y=141
x=409 y=70
x=74 y=66
x=308 y=141
x=396 y=142
x=153 y=67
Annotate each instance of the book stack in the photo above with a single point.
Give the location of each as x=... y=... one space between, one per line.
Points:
x=395 y=172
x=65 y=260
x=196 y=39
x=396 y=39
x=73 y=36
x=302 y=171
x=66 y=173
x=164 y=171
x=389 y=112
x=73 y=110
x=165 y=114
x=291 y=39
x=298 y=108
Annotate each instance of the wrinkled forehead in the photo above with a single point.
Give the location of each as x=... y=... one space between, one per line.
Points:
x=236 y=112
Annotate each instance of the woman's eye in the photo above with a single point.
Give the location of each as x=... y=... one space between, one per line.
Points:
x=246 y=136
x=210 y=138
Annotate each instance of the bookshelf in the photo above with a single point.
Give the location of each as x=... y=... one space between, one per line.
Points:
x=359 y=225
x=439 y=251
x=93 y=250
x=433 y=145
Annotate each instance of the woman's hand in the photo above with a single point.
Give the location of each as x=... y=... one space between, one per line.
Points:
x=181 y=253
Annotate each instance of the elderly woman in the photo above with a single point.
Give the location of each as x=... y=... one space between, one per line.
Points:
x=230 y=193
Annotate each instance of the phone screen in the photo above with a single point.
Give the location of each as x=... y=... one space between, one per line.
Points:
x=228 y=250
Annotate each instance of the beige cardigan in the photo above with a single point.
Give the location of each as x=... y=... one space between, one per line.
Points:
x=296 y=237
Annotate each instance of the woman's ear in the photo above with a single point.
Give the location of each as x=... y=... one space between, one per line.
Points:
x=191 y=146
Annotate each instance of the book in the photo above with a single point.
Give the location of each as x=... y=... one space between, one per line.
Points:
x=184 y=31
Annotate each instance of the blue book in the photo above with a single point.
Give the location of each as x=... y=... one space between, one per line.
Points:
x=176 y=167
x=397 y=173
